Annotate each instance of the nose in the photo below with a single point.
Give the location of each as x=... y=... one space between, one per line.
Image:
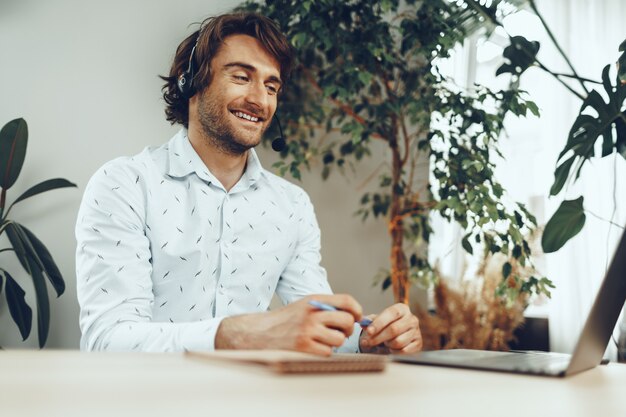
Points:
x=256 y=94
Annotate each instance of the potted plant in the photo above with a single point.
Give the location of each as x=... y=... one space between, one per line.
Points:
x=30 y=251
x=598 y=120
x=367 y=72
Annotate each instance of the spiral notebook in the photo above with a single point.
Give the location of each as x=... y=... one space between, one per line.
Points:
x=285 y=362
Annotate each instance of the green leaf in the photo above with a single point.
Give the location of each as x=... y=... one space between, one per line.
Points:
x=566 y=223
x=506 y=269
x=29 y=258
x=49 y=266
x=298 y=39
x=365 y=77
x=466 y=244
x=13 y=141
x=43 y=303
x=621 y=63
x=521 y=54
x=20 y=311
x=560 y=175
x=386 y=283
x=620 y=132
x=606 y=81
x=587 y=129
x=16 y=242
x=532 y=107
x=44 y=186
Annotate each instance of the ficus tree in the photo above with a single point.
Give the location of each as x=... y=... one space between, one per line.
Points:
x=367 y=71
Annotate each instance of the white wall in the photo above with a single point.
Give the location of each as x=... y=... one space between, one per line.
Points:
x=84 y=76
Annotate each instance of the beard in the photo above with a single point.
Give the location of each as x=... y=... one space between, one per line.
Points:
x=219 y=130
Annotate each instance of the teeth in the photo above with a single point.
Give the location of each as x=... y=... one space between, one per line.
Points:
x=243 y=115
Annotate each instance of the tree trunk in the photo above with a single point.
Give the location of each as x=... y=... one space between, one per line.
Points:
x=399 y=269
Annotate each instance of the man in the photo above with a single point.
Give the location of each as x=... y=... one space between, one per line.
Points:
x=184 y=245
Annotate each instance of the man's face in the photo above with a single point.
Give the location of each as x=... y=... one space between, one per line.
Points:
x=238 y=105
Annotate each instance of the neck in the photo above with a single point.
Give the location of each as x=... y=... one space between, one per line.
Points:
x=227 y=168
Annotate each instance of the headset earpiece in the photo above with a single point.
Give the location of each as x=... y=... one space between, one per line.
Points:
x=185 y=84
x=185 y=80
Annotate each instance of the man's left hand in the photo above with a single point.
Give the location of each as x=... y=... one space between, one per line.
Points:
x=395 y=329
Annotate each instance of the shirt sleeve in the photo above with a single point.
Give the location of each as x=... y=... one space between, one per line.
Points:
x=304 y=275
x=113 y=272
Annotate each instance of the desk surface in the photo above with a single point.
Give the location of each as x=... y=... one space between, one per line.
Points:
x=70 y=383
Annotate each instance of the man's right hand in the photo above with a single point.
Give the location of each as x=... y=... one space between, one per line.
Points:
x=297 y=326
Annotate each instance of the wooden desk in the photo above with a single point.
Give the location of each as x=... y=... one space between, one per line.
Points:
x=70 y=383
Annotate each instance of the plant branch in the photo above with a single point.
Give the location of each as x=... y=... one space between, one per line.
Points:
x=417 y=208
x=405 y=134
x=312 y=126
x=558 y=46
x=413 y=164
x=576 y=93
x=343 y=106
x=370 y=177
x=577 y=77
x=603 y=219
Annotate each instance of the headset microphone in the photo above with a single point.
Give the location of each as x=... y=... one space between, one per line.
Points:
x=279 y=143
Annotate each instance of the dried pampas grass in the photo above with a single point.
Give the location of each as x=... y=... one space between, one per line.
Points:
x=470 y=315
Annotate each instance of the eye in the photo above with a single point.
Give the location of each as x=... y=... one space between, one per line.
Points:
x=242 y=78
x=272 y=89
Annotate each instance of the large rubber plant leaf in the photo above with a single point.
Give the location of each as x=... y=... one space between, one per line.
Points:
x=18 y=246
x=566 y=223
x=43 y=303
x=20 y=311
x=34 y=267
x=13 y=141
x=44 y=186
x=50 y=268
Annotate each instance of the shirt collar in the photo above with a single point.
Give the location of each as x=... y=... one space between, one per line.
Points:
x=183 y=160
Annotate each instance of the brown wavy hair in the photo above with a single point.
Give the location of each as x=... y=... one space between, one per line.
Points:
x=210 y=37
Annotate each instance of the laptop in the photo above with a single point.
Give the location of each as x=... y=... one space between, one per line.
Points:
x=588 y=352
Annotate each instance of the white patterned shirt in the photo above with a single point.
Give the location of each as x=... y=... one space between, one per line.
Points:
x=164 y=252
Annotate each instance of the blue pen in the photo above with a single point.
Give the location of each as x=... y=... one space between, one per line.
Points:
x=327 y=307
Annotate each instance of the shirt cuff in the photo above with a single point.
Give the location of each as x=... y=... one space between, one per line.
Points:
x=200 y=335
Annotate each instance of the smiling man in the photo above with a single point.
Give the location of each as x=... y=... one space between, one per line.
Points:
x=183 y=245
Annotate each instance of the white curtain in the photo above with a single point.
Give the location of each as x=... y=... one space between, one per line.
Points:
x=589 y=32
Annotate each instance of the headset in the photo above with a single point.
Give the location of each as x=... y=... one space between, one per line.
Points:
x=187 y=90
x=185 y=80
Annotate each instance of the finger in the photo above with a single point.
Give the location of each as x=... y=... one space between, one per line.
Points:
x=344 y=302
x=386 y=317
x=315 y=347
x=392 y=331
x=338 y=320
x=412 y=347
x=329 y=337
x=399 y=342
